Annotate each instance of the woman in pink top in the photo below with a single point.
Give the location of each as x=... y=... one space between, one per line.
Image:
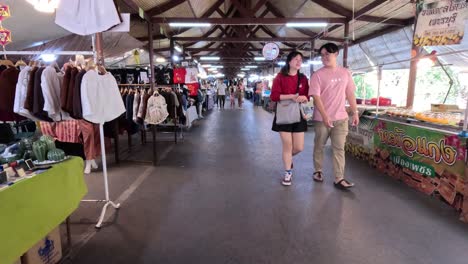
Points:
x=330 y=87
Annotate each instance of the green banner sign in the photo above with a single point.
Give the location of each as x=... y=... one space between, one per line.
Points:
x=413 y=165
x=421 y=150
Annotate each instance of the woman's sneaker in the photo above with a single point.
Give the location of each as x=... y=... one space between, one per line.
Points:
x=287 y=180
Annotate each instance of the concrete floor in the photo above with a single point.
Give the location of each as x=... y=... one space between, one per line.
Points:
x=217 y=198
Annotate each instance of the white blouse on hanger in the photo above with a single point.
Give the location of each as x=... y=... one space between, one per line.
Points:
x=100 y=98
x=51 y=82
x=86 y=17
x=21 y=93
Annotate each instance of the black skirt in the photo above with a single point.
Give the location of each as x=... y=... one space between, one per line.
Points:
x=291 y=128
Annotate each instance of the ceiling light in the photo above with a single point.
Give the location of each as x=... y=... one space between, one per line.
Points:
x=241 y=75
x=178 y=48
x=212 y=69
x=46 y=6
x=215 y=71
x=209 y=58
x=315 y=62
x=175 y=58
x=176 y=24
x=245 y=69
x=251 y=66
x=217 y=66
x=160 y=59
x=48 y=57
x=195 y=61
x=313 y=24
x=259 y=58
x=206 y=65
x=281 y=63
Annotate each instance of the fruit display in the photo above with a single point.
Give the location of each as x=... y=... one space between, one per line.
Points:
x=452 y=119
x=49 y=141
x=400 y=112
x=40 y=150
x=56 y=154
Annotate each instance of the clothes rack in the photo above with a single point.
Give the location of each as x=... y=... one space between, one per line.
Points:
x=154 y=128
x=107 y=200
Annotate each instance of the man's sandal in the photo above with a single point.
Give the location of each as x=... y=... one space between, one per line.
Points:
x=318 y=177
x=341 y=184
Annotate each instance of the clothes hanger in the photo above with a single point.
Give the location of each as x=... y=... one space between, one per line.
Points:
x=20 y=63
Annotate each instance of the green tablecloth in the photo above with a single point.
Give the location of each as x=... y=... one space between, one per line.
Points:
x=33 y=207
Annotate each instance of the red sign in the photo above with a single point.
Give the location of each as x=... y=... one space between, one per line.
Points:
x=4 y=12
x=5 y=36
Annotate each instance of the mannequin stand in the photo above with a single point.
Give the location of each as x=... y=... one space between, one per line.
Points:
x=107 y=201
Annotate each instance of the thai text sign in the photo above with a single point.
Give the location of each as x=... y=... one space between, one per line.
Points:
x=421 y=150
x=441 y=22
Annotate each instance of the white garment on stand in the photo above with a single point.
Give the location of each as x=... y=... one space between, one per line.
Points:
x=21 y=93
x=86 y=17
x=51 y=87
x=156 y=111
x=191 y=75
x=100 y=98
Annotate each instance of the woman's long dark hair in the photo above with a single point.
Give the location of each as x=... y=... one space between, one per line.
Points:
x=292 y=55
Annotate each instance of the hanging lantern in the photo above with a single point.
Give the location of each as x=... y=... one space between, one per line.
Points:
x=5 y=36
x=4 y=12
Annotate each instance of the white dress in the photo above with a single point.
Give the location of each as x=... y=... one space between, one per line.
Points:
x=86 y=17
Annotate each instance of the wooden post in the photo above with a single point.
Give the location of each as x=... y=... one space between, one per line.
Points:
x=415 y=52
x=346 y=45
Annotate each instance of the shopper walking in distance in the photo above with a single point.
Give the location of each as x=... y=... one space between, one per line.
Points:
x=240 y=92
x=285 y=87
x=232 y=96
x=330 y=87
x=221 y=91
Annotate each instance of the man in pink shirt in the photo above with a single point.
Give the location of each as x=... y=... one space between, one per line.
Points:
x=330 y=87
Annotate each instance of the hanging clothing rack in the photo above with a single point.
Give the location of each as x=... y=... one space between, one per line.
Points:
x=107 y=199
x=154 y=128
x=23 y=52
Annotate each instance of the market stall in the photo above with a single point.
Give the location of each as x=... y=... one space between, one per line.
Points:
x=33 y=206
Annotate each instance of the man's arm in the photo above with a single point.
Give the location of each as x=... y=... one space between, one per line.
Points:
x=319 y=104
x=352 y=102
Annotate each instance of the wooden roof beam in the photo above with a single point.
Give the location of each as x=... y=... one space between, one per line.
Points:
x=160 y=9
x=242 y=40
x=249 y=21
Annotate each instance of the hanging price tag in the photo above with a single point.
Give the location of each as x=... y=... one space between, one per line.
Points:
x=4 y=12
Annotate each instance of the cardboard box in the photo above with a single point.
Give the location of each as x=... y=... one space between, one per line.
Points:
x=443 y=108
x=46 y=251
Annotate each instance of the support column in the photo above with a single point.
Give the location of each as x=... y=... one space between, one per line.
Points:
x=151 y=53
x=172 y=51
x=98 y=48
x=312 y=55
x=415 y=53
x=346 y=45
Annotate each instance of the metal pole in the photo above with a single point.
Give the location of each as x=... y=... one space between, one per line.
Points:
x=379 y=76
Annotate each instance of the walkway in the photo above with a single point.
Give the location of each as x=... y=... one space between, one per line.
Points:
x=217 y=198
